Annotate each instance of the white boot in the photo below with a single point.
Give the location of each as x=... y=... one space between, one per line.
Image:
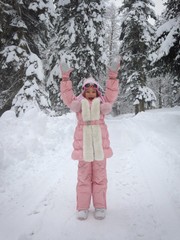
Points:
x=82 y=214
x=100 y=213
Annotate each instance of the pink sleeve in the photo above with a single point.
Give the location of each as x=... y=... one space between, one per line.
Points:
x=68 y=96
x=112 y=90
x=75 y=106
x=67 y=92
x=106 y=108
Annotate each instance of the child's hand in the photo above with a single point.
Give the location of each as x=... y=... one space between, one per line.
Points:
x=112 y=75
x=65 y=75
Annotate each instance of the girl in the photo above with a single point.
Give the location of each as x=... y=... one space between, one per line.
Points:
x=91 y=141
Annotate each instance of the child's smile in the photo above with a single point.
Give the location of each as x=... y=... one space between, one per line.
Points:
x=90 y=93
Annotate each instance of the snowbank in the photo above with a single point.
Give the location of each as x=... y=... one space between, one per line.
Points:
x=38 y=178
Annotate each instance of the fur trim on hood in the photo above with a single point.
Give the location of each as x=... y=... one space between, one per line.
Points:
x=92 y=81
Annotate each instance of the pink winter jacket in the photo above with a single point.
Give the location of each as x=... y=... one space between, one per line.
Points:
x=74 y=103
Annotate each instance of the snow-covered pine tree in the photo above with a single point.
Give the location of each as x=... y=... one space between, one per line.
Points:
x=165 y=54
x=112 y=28
x=13 y=53
x=135 y=38
x=81 y=38
x=32 y=94
x=52 y=65
x=53 y=75
x=24 y=36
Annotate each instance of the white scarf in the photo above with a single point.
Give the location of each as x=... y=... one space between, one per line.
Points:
x=92 y=136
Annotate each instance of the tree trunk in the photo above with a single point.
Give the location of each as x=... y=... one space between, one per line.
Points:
x=141 y=106
x=159 y=94
x=136 y=109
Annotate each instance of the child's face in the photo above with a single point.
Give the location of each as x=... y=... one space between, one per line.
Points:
x=90 y=93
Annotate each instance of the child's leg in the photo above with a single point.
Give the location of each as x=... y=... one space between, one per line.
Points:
x=84 y=185
x=99 y=184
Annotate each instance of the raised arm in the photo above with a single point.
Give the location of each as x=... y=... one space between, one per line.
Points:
x=67 y=94
x=112 y=88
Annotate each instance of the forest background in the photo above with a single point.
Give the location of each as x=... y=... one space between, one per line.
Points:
x=88 y=37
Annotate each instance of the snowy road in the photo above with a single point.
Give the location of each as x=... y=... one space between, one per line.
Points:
x=38 y=179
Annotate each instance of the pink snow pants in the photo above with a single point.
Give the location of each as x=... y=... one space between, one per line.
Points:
x=92 y=182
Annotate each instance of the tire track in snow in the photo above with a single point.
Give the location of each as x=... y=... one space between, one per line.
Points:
x=139 y=155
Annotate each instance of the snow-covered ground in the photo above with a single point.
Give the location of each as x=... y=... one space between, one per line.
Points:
x=38 y=178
